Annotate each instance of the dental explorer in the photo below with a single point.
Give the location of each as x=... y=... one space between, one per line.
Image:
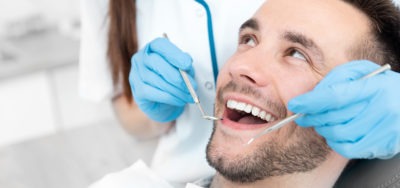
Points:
x=193 y=93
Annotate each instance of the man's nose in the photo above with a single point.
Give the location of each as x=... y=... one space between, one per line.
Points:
x=251 y=67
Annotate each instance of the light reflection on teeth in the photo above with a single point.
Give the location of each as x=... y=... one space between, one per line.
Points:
x=250 y=109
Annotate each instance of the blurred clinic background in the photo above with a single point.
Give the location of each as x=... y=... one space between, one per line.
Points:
x=49 y=136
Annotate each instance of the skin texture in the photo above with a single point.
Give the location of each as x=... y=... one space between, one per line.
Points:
x=284 y=51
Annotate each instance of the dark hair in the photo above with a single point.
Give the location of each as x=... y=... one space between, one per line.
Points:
x=384 y=44
x=122 y=42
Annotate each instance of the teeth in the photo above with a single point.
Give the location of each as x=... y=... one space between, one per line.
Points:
x=240 y=106
x=248 y=108
x=232 y=104
x=268 y=117
x=255 y=111
x=262 y=114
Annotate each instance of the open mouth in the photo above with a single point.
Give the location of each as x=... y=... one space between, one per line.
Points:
x=247 y=114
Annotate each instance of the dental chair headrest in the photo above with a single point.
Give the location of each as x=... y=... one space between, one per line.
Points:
x=373 y=173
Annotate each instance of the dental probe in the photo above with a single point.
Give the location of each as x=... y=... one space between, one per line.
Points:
x=295 y=116
x=195 y=98
x=193 y=93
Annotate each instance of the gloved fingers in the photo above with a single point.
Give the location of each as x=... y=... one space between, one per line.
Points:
x=157 y=88
x=191 y=74
x=354 y=129
x=156 y=95
x=339 y=87
x=141 y=73
x=169 y=73
x=371 y=146
x=171 y=53
x=382 y=140
x=350 y=71
x=333 y=117
x=372 y=133
x=147 y=85
x=337 y=95
x=348 y=150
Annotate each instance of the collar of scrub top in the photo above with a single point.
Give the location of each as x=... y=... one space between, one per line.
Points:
x=210 y=39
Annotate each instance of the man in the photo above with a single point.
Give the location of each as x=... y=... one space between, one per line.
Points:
x=285 y=50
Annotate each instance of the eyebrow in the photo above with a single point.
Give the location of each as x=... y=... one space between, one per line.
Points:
x=250 y=23
x=303 y=40
x=291 y=36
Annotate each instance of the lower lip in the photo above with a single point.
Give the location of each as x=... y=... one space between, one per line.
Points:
x=238 y=126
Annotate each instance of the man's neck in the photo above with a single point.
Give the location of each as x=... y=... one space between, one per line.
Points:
x=324 y=175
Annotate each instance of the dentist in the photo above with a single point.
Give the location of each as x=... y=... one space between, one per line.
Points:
x=204 y=34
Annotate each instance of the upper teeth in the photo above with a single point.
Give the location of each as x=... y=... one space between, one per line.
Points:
x=248 y=108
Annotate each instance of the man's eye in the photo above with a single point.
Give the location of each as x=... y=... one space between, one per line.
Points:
x=297 y=54
x=248 y=40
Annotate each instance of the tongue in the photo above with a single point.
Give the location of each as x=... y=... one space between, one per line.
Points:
x=250 y=120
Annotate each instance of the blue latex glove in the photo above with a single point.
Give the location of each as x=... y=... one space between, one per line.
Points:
x=358 y=118
x=157 y=87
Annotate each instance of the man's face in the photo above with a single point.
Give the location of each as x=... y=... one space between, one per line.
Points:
x=284 y=51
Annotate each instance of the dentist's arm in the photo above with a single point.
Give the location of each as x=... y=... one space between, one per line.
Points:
x=135 y=122
x=157 y=87
x=358 y=118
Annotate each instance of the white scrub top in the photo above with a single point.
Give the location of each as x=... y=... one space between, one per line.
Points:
x=180 y=156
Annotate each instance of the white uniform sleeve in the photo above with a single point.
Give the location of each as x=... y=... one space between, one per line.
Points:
x=95 y=81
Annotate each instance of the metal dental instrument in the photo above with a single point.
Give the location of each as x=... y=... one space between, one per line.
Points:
x=193 y=93
x=295 y=116
x=194 y=96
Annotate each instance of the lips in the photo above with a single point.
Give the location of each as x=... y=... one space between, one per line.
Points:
x=242 y=115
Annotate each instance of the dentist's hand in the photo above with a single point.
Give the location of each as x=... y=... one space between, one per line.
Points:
x=358 y=118
x=157 y=87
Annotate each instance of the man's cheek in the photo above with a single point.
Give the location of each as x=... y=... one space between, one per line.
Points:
x=221 y=81
x=288 y=93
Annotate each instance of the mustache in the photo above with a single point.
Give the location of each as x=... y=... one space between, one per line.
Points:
x=277 y=108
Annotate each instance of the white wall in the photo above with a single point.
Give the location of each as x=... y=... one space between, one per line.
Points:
x=26 y=109
x=45 y=101
x=73 y=110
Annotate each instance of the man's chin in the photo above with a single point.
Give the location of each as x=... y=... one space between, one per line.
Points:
x=229 y=154
x=233 y=160
x=228 y=144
